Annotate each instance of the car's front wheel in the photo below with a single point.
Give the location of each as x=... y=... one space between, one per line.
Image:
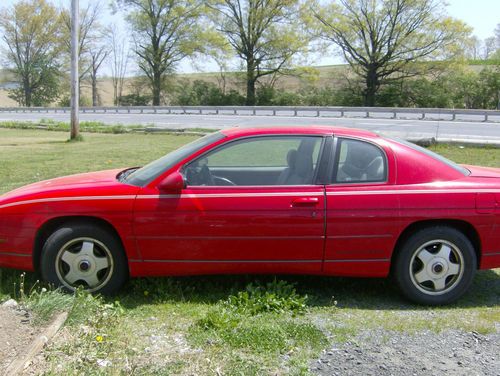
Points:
x=84 y=255
x=435 y=265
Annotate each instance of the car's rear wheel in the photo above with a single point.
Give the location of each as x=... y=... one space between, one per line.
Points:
x=84 y=255
x=435 y=265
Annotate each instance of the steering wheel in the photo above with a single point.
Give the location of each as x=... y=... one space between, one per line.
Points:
x=219 y=180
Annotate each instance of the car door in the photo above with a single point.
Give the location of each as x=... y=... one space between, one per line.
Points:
x=250 y=205
x=362 y=219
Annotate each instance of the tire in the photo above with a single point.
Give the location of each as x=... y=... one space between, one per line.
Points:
x=435 y=266
x=84 y=255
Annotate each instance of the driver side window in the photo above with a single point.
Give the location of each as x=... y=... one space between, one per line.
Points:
x=270 y=160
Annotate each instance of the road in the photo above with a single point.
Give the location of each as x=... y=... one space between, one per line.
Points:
x=459 y=131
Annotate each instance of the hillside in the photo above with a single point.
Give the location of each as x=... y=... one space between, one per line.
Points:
x=316 y=76
x=321 y=76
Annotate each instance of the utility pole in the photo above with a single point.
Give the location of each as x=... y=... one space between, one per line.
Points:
x=75 y=26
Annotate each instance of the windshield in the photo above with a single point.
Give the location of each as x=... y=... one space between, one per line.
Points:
x=148 y=173
x=425 y=151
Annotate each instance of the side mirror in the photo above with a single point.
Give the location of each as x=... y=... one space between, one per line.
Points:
x=172 y=183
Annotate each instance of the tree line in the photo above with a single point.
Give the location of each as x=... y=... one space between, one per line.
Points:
x=399 y=52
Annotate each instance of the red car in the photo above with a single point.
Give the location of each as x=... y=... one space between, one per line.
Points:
x=309 y=200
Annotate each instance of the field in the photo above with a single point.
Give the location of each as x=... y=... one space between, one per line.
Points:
x=229 y=325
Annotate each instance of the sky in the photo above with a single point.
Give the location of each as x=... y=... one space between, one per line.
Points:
x=481 y=15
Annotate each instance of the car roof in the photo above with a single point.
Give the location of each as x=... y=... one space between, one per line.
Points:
x=307 y=129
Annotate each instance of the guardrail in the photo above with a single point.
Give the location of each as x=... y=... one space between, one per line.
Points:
x=310 y=111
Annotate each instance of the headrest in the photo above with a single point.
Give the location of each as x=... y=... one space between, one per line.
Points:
x=291 y=158
x=304 y=166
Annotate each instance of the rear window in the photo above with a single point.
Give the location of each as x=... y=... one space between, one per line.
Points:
x=431 y=154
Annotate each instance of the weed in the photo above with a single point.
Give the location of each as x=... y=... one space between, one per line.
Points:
x=276 y=296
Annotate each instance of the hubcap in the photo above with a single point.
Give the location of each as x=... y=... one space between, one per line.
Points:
x=84 y=266
x=84 y=262
x=437 y=267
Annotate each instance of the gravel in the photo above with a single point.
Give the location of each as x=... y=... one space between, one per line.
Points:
x=381 y=352
x=16 y=333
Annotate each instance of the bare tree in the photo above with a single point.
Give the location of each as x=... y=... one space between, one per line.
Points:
x=489 y=47
x=97 y=57
x=90 y=30
x=475 y=46
x=497 y=35
x=119 y=61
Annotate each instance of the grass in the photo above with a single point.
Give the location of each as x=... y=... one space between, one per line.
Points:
x=85 y=126
x=234 y=325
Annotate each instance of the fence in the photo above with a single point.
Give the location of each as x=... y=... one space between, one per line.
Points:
x=367 y=112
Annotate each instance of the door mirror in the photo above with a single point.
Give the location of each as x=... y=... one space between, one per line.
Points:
x=172 y=183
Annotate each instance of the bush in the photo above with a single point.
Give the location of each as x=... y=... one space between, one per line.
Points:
x=202 y=93
x=135 y=100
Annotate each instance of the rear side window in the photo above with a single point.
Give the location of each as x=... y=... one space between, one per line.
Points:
x=359 y=162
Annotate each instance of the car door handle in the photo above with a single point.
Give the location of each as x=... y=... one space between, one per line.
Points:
x=305 y=201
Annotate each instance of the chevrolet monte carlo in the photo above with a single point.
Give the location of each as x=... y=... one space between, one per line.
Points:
x=309 y=200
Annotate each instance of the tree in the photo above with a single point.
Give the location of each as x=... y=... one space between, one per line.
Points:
x=165 y=32
x=90 y=32
x=31 y=30
x=265 y=34
x=475 y=45
x=119 y=62
x=489 y=47
x=97 y=56
x=384 y=40
x=497 y=35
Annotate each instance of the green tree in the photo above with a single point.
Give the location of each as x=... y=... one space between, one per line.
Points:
x=265 y=34
x=164 y=32
x=383 y=40
x=489 y=80
x=31 y=32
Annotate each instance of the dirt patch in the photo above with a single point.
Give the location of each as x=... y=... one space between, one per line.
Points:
x=16 y=333
x=425 y=353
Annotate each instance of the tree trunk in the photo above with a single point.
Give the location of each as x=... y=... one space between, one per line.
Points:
x=94 y=91
x=372 y=85
x=115 y=91
x=156 y=88
x=27 y=93
x=250 y=101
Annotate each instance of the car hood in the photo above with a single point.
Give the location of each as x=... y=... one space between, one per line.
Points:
x=84 y=183
x=483 y=172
